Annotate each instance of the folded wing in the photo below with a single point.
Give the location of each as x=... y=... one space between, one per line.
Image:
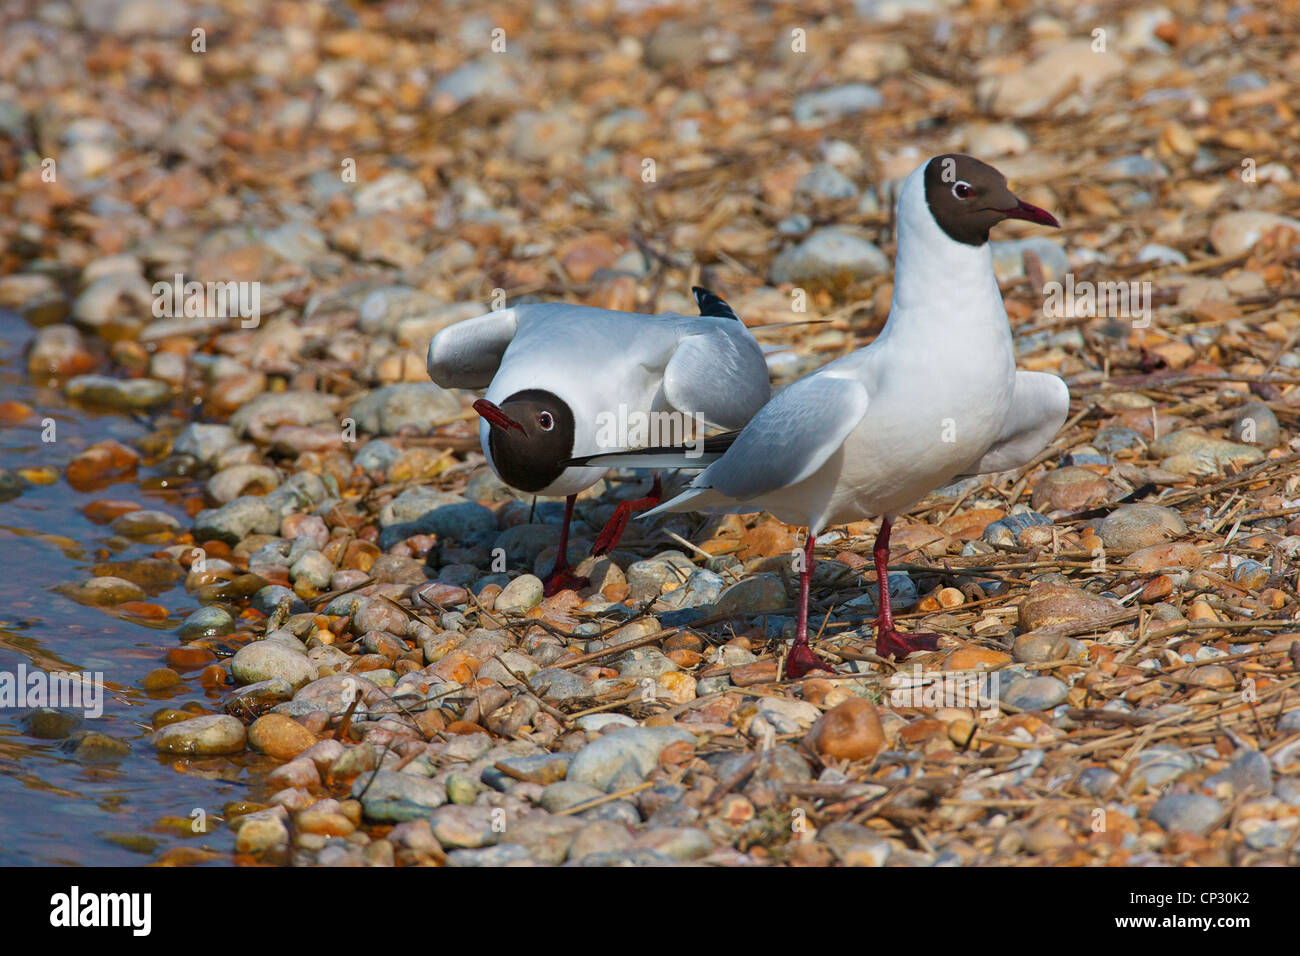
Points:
x=721 y=376
x=1039 y=406
x=468 y=354
x=790 y=438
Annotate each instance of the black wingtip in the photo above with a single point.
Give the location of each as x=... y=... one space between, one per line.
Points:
x=712 y=304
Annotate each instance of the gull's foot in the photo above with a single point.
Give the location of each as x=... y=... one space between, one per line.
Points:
x=562 y=579
x=801 y=660
x=896 y=644
x=612 y=531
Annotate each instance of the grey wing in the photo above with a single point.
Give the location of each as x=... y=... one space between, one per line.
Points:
x=790 y=438
x=722 y=377
x=467 y=354
x=1039 y=405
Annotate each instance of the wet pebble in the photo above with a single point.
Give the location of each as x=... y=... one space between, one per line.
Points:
x=236 y=520
x=268 y=660
x=49 y=723
x=388 y=796
x=107 y=591
x=201 y=736
x=279 y=736
x=115 y=393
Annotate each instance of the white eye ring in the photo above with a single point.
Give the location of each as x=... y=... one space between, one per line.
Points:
x=545 y=421
x=960 y=183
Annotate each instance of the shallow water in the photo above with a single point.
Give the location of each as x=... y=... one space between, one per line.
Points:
x=54 y=808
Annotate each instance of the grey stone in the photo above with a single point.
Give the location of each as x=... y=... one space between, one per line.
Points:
x=268 y=599
x=1009 y=257
x=1158 y=765
x=204 y=442
x=825 y=182
x=819 y=107
x=201 y=736
x=412 y=405
x=1035 y=694
x=702 y=588
x=555 y=683
x=546 y=838
x=519 y=595
x=754 y=595
x=829 y=254
x=463 y=827
x=567 y=793
x=676 y=843
x=376 y=455
x=1098 y=781
x=1190 y=812
x=855 y=845
x=636 y=748
x=1255 y=424
x=627 y=858
x=388 y=796
x=1249 y=773
x=210 y=621
x=236 y=520
x=267 y=660
x=506 y=854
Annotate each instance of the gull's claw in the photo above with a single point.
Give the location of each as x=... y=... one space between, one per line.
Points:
x=896 y=644
x=562 y=579
x=801 y=660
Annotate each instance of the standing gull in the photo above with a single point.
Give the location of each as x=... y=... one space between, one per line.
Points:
x=935 y=397
x=565 y=380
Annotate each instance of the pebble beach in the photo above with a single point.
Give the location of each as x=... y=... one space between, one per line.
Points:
x=228 y=232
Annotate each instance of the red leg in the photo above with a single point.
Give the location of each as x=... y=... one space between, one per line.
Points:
x=889 y=641
x=617 y=524
x=801 y=659
x=562 y=577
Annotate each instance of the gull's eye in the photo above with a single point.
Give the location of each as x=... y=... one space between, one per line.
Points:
x=962 y=189
x=545 y=421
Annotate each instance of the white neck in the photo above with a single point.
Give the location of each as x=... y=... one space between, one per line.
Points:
x=941 y=286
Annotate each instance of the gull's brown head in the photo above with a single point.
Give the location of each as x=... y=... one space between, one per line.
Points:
x=968 y=198
x=530 y=436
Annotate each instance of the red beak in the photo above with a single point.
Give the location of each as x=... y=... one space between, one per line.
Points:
x=1031 y=214
x=494 y=416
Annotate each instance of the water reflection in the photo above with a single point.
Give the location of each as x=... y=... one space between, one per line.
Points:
x=92 y=806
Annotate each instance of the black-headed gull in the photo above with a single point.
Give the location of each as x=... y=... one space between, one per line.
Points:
x=565 y=381
x=936 y=396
